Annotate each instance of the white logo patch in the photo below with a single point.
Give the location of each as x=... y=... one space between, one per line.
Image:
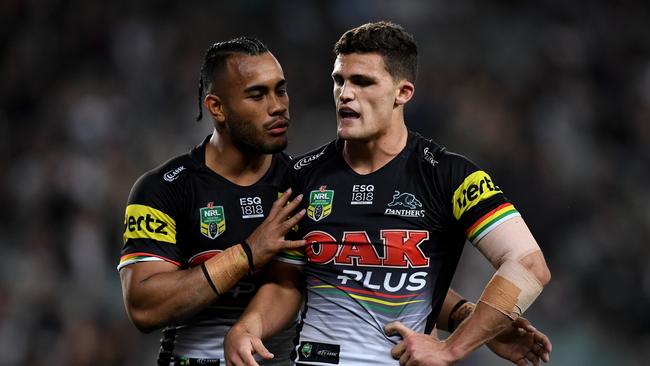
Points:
x=173 y=174
x=251 y=207
x=428 y=156
x=307 y=160
x=405 y=204
x=362 y=194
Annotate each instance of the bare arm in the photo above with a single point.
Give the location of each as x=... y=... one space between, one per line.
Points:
x=454 y=309
x=275 y=304
x=521 y=275
x=510 y=244
x=159 y=293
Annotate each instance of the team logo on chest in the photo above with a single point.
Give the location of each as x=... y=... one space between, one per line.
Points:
x=404 y=204
x=213 y=220
x=320 y=203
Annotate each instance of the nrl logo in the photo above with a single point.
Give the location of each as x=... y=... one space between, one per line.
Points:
x=320 y=203
x=306 y=350
x=213 y=220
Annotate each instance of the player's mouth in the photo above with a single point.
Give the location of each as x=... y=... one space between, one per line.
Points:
x=347 y=114
x=278 y=127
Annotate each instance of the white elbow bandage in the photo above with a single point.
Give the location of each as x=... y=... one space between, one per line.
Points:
x=512 y=289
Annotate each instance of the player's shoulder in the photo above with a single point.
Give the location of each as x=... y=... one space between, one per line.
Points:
x=164 y=178
x=436 y=155
x=314 y=158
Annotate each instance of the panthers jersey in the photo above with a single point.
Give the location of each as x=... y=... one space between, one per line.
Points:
x=383 y=246
x=184 y=213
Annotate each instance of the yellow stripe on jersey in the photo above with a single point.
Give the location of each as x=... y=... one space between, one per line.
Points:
x=144 y=222
x=476 y=188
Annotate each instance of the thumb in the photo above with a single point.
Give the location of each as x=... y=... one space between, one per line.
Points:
x=261 y=350
x=434 y=333
x=395 y=328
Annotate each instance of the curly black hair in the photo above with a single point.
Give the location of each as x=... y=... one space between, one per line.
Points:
x=388 y=39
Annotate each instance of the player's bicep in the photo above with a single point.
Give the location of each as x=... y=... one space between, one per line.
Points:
x=134 y=278
x=511 y=239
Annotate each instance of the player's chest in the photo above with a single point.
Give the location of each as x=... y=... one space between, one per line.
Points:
x=353 y=203
x=216 y=217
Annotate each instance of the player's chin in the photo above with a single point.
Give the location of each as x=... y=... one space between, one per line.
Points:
x=349 y=134
x=276 y=144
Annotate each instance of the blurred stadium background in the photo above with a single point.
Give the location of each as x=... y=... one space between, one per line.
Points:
x=551 y=97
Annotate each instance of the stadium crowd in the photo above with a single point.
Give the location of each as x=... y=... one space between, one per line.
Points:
x=553 y=98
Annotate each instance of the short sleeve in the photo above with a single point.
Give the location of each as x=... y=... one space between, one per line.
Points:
x=150 y=223
x=478 y=203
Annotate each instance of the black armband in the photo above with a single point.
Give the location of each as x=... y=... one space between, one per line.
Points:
x=209 y=279
x=249 y=255
x=451 y=324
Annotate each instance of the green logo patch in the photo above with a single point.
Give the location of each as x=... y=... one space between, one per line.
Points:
x=320 y=203
x=213 y=220
x=306 y=350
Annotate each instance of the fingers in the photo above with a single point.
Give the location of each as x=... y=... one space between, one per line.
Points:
x=395 y=328
x=280 y=202
x=434 y=333
x=294 y=244
x=259 y=347
x=543 y=340
x=398 y=350
x=293 y=220
x=404 y=359
x=282 y=207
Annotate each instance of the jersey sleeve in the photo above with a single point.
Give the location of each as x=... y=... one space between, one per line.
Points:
x=478 y=204
x=150 y=223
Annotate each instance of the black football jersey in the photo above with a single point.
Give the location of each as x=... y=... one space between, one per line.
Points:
x=184 y=213
x=383 y=246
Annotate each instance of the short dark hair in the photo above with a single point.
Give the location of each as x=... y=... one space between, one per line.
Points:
x=388 y=39
x=215 y=59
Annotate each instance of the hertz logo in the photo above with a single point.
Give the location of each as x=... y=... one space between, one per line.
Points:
x=144 y=222
x=476 y=188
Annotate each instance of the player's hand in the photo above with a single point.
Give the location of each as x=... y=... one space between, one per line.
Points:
x=268 y=239
x=418 y=349
x=240 y=346
x=522 y=344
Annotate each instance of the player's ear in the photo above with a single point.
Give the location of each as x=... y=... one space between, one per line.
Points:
x=404 y=92
x=214 y=106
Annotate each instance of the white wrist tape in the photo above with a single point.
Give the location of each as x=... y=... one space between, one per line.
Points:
x=512 y=289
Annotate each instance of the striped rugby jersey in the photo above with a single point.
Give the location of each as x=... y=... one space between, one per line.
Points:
x=383 y=246
x=184 y=213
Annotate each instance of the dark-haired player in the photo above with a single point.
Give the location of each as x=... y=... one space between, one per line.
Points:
x=198 y=227
x=388 y=213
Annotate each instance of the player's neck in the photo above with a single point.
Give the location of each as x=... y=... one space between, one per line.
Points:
x=222 y=157
x=368 y=156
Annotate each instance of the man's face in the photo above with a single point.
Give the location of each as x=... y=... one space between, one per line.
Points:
x=255 y=103
x=364 y=94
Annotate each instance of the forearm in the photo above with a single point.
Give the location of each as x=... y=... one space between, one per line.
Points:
x=275 y=304
x=483 y=324
x=455 y=309
x=157 y=294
